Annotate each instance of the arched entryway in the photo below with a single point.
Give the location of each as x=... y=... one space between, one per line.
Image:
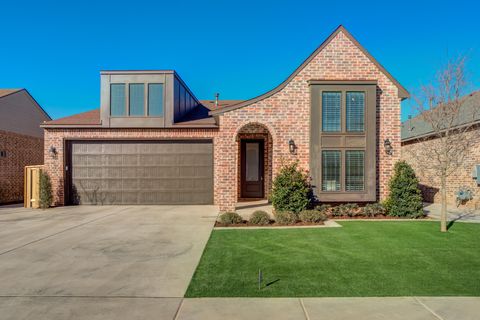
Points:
x=254 y=171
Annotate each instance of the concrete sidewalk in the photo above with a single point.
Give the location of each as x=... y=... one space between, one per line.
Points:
x=392 y=308
x=454 y=214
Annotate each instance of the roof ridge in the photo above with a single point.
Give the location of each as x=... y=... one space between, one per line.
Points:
x=402 y=92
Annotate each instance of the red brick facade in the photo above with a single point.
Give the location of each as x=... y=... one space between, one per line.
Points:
x=430 y=183
x=21 y=150
x=283 y=116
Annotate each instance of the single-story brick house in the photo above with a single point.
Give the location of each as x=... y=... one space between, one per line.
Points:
x=153 y=142
x=417 y=135
x=21 y=140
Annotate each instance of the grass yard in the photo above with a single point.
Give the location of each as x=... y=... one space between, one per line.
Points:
x=360 y=259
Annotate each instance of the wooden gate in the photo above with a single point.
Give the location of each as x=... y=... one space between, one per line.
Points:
x=32 y=186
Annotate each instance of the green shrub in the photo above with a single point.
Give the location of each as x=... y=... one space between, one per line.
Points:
x=291 y=189
x=324 y=208
x=285 y=217
x=353 y=210
x=45 y=196
x=405 y=199
x=373 y=209
x=259 y=217
x=346 y=209
x=230 y=218
x=312 y=216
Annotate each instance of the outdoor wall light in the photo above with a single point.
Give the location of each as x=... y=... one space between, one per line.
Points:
x=387 y=144
x=291 y=146
x=52 y=151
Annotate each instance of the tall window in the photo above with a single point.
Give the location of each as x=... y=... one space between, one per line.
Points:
x=331 y=167
x=137 y=99
x=355 y=111
x=155 y=99
x=331 y=114
x=354 y=170
x=117 y=99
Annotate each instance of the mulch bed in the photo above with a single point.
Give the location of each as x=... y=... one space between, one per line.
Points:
x=271 y=224
x=330 y=217
x=377 y=217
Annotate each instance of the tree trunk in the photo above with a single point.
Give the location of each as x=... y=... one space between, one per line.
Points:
x=443 y=213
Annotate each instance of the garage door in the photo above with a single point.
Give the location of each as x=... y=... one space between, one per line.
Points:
x=141 y=172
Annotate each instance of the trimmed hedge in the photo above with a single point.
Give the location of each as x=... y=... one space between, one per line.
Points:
x=230 y=218
x=291 y=189
x=45 y=196
x=314 y=216
x=374 y=209
x=260 y=218
x=405 y=198
x=285 y=217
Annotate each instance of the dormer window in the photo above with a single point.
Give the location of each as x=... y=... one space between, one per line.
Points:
x=144 y=99
x=155 y=99
x=117 y=99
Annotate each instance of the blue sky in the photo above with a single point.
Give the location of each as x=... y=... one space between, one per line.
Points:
x=241 y=49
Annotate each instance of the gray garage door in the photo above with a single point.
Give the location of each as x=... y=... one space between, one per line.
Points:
x=160 y=172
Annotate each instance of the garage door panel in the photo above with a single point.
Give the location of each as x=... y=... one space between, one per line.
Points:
x=166 y=172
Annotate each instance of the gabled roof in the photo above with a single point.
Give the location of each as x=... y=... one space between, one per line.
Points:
x=198 y=115
x=402 y=92
x=416 y=128
x=6 y=92
x=91 y=117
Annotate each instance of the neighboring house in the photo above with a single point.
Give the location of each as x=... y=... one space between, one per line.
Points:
x=153 y=142
x=414 y=137
x=21 y=140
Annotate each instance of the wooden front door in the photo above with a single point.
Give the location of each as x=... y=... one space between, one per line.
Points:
x=252 y=172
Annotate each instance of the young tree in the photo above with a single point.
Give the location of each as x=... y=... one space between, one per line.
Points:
x=450 y=125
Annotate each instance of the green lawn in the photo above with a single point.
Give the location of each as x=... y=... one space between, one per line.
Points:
x=360 y=259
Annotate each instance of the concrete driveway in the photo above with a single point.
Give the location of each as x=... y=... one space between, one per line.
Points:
x=105 y=262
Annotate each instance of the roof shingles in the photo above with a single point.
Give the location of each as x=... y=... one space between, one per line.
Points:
x=92 y=117
x=416 y=127
x=6 y=92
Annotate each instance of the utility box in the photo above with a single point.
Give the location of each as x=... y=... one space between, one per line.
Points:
x=32 y=186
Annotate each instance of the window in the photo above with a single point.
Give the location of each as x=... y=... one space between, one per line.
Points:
x=155 y=99
x=137 y=99
x=331 y=165
x=117 y=99
x=331 y=114
x=355 y=111
x=354 y=170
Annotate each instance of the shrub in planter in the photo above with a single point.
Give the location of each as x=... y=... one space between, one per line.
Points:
x=405 y=199
x=373 y=209
x=347 y=209
x=312 y=216
x=353 y=210
x=230 y=218
x=285 y=217
x=324 y=208
x=259 y=217
x=45 y=192
x=291 y=189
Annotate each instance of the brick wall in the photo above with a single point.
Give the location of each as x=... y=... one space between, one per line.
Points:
x=284 y=115
x=430 y=182
x=56 y=138
x=256 y=131
x=21 y=151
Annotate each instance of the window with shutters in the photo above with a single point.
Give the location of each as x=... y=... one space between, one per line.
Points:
x=354 y=170
x=343 y=140
x=331 y=168
x=355 y=111
x=331 y=111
